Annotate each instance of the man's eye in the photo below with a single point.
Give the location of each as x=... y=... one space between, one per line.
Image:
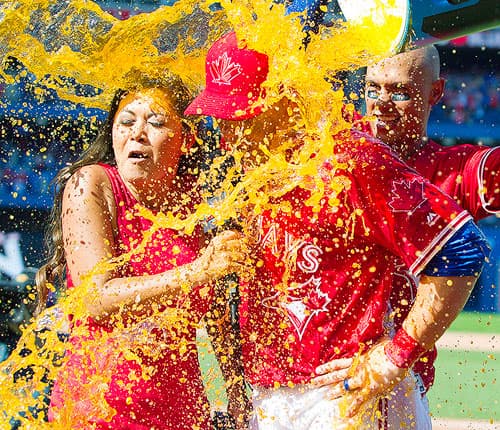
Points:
x=400 y=97
x=372 y=94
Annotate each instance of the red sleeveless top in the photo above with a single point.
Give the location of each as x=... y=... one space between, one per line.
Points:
x=170 y=395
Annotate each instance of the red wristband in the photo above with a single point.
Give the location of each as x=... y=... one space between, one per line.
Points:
x=403 y=350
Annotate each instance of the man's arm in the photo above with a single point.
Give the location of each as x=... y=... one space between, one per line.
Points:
x=226 y=343
x=376 y=372
x=488 y=173
x=438 y=302
x=443 y=290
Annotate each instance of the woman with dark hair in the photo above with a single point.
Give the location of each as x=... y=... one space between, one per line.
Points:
x=146 y=370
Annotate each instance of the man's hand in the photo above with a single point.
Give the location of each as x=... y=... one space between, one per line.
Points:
x=333 y=373
x=360 y=380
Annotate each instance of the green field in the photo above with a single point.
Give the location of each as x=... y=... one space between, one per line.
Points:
x=477 y=322
x=467 y=386
x=467 y=383
x=211 y=374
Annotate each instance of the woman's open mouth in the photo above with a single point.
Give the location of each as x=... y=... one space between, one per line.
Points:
x=138 y=155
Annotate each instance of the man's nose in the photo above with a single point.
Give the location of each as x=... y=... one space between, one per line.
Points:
x=384 y=103
x=384 y=97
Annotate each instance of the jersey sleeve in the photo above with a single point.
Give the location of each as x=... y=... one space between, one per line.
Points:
x=481 y=183
x=401 y=210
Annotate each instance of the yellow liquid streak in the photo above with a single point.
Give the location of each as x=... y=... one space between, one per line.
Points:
x=105 y=49
x=106 y=54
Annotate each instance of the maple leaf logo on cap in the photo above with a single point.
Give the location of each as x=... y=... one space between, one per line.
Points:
x=223 y=70
x=234 y=76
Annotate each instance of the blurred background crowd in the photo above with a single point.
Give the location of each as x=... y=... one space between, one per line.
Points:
x=470 y=98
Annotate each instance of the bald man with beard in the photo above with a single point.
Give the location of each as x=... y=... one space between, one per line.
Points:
x=400 y=93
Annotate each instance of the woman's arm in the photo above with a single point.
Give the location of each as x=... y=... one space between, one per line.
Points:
x=88 y=225
x=223 y=254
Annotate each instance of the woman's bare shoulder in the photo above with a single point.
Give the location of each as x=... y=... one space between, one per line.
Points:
x=89 y=181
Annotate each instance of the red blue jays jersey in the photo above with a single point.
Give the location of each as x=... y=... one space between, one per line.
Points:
x=468 y=173
x=324 y=275
x=471 y=175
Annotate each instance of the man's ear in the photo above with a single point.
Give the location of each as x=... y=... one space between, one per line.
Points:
x=437 y=91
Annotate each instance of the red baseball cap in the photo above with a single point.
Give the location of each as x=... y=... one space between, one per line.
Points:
x=234 y=77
